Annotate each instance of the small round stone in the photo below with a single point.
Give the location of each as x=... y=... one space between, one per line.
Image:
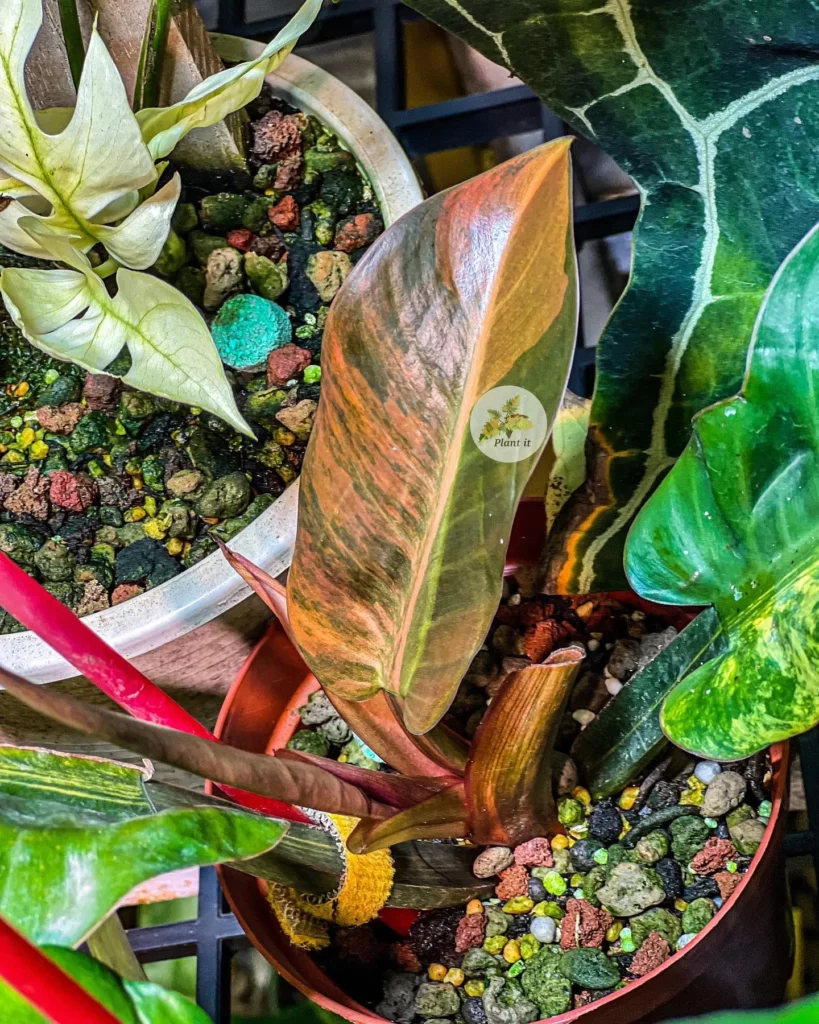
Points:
x=537 y=890
x=626 y=941
x=569 y=811
x=247 y=328
x=454 y=976
x=601 y=856
x=518 y=905
x=707 y=771
x=511 y=951
x=684 y=939
x=765 y=809
x=472 y=1009
x=474 y=987
x=554 y=883
x=436 y=972
x=544 y=929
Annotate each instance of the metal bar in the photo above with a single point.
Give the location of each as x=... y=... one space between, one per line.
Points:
x=336 y=21
x=390 y=77
x=609 y=217
x=471 y=120
x=809 y=756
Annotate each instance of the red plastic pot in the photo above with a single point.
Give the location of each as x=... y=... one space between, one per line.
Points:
x=741 y=960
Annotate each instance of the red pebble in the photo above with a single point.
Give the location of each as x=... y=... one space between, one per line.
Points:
x=285 y=363
x=514 y=882
x=240 y=238
x=727 y=882
x=584 y=926
x=653 y=952
x=356 y=232
x=713 y=856
x=73 y=491
x=404 y=957
x=285 y=214
x=470 y=932
x=125 y=591
x=537 y=853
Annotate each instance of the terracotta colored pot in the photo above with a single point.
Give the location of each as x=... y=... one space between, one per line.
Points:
x=741 y=960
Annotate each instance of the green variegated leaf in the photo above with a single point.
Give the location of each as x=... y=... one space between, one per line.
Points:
x=70 y=315
x=568 y=443
x=132 y=1002
x=221 y=94
x=713 y=108
x=77 y=833
x=736 y=524
x=98 y=157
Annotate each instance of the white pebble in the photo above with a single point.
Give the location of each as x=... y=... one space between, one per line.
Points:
x=558 y=933
x=514 y=600
x=544 y=929
x=593 y=644
x=707 y=771
x=614 y=686
x=718 y=901
x=583 y=716
x=683 y=940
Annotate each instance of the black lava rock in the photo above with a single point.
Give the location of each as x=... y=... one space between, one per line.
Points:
x=721 y=831
x=582 y=854
x=473 y=1011
x=701 y=887
x=77 y=532
x=157 y=432
x=519 y=925
x=537 y=890
x=145 y=561
x=670 y=874
x=664 y=794
x=605 y=824
x=623 y=961
x=433 y=937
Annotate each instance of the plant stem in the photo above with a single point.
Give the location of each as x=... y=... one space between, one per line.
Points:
x=107 y=269
x=156 y=57
x=144 y=54
x=72 y=36
x=109 y=944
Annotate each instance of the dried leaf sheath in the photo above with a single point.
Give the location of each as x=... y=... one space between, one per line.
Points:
x=403 y=521
x=509 y=776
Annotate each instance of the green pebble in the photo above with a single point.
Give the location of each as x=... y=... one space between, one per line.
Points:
x=652 y=847
x=569 y=811
x=711 y=822
x=19 y=544
x=262 y=407
x=494 y=944
x=51 y=375
x=577 y=880
x=173 y=257
x=309 y=742
x=184 y=218
x=267 y=278
x=589 y=968
x=688 y=836
x=549 y=909
x=517 y=968
x=191 y=282
x=627 y=943
x=247 y=328
x=477 y=962
x=255 y=217
x=544 y=983
x=742 y=813
x=497 y=922
x=312 y=374
x=658 y=919
x=601 y=856
x=224 y=498
x=153 y=473
x=265 y=176
x=697 y=915
x=90 y=434
x=202 y=245
x=315 y=160
x=55 y=562
x=732 y=866
x=60 y=390
x=529 y=945
x=554 y=883
x=223 y=211
x=764 y=810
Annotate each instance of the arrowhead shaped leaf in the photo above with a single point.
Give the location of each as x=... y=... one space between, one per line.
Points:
x=76 y=834
x=713 y=110
x=403 y=520
x=735 y=525
x=70 y=315
x=221 y=94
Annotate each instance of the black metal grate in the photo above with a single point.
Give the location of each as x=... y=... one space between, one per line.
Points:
x=215 y=935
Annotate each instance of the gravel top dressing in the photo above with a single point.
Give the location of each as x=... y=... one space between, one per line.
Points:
x=106 y=492
x=628 y=883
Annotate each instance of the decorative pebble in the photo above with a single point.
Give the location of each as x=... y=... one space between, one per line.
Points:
x=628 y=797
x=492 y=861
x=584 y=717
x=707 y=771
x=511 y=951
x=247 y=328
x=765 y=809
x=724 y=794
x=626 y=941
x=544 y=929
x=554 y=883
x=601 y=856
x=683 y=940
x=711 y=822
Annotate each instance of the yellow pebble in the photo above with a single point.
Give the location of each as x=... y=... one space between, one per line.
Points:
x=22 y=390
x=455 y=976
x=150 y=505
x=692 y=798
x=582 y=794
x=39 y=450
x=14 y=458
x=155 y=530
x=626 y=830
x=137 y=482
x=694 y=783
x=174 y=546
x=680 y=905
x=474 y=907
x=134 y=515
x=613 y=933
x=511 y=951
x=585 y=610
x=474 y=987
x=571 y=842
x=108 y=459
x=628 y=796
x=560 y=842
x=186 y=548
x=436 y=972
x=27 y=437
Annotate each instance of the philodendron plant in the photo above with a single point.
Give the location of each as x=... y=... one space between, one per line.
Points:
x=84 y=187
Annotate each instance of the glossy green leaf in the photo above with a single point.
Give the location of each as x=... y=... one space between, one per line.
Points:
x=221 y=94
x=399 y=556
x=70 y=315
x=79 y=171
x=735 y=524
x=713 y=108
x=806 y=1011
x=76 y=834
x=626 y=736
x=132 y=1002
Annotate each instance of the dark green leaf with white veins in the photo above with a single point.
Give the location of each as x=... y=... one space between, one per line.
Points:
x=713 y=108
x=77 y=834
x=736 y=524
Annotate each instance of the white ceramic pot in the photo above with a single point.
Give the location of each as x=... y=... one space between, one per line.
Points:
x=206 y=591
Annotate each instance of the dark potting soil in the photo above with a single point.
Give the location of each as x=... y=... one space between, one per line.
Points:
x=105 y=491
x=632 y=879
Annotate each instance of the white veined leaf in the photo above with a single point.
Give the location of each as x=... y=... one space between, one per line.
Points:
x=98 y=157
x=138 y=240
x=70 y=316
x=11 y=188
x=569 y=444
x=221 y=94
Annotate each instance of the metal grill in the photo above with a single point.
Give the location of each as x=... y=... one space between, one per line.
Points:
x=214 y=936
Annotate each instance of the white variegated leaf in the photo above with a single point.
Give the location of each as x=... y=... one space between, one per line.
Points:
x=70 y=316
x=138 y=240
x=221 y=94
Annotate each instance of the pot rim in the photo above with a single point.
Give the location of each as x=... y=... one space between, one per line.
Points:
x=332 y=998
x=210 y=588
